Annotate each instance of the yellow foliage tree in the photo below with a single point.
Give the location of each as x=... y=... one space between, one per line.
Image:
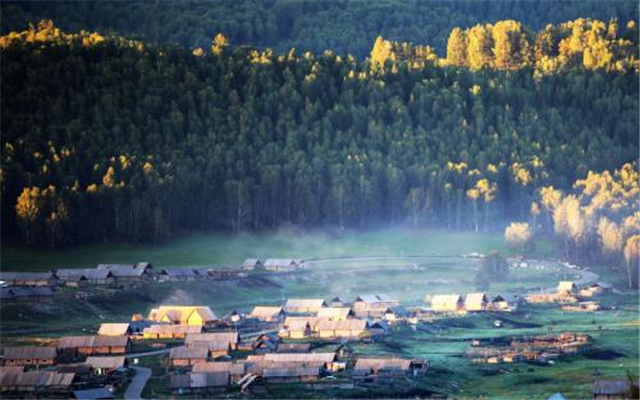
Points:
x=518 y=235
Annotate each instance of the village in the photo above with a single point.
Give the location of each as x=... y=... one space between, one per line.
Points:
x=305 y=342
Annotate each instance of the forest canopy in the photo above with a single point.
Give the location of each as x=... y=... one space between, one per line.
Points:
x=105 y=138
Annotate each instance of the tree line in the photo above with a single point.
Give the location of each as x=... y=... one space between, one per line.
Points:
x=342 y=26
x=109 y=139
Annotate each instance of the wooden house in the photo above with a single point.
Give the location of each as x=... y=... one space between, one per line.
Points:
x=293 y=348
x=376 y=368
x=45 y=382
x=372 y=305
x=72 y=277
x=447 y=303
x=614 y=389
x=475 y=302
x=595 y=289
x=378 y=328
x=186 y=315
x=217 y=343
x=128 y=272
x=114 y=329
x=252 y=264
x=26 y=294
x=267 y=314
x=106 y=365
x=28 y=278
x=566 y=288
x=236 y=370
x=304 y=305
x=505 y=303
x=335 y=313
x=275 y=360
x=29 y=355
x=281 y=264
x=396 y=314
x=352 y=328
x=185 y=356
x=296 y=330
x=199 y=383
x=93 y=345
x=291 y=375
x=339 y=302
x=162 y=331
x=177 y=275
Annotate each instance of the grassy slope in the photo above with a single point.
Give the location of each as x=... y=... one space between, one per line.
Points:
x=207 y=249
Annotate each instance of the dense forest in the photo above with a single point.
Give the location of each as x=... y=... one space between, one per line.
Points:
x=344 y=27
x=105 y=138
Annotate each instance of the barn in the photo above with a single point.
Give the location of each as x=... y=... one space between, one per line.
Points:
x=29 y=355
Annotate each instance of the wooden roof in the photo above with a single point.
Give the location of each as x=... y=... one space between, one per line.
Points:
x=172 y=329
x=114 y=329
x=444 y=299
x=106 y=362
x=290 y=372
x=29 y=352
x=376 y=364
x=334 y=312
x=475 y=299
x=75 y=274
x=300 y=357
x=233 y=368
x=298 y=325
x=93 y=394
x=189 y=352
x=612 y=387
x=304 y=303
x=178 y=272
x=566 y=285
x=67 y=342
x=181 y=314
x=293 y=347
x=265 y=311
x=252 y=262
x=125 y=270
x=27 y=276
x=226 y=338
x=348 y=325
x=199 y=380
x=36 y=379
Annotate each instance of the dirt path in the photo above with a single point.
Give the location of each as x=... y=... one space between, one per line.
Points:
x=134 y=391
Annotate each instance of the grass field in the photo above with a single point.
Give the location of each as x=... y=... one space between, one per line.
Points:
x=212 y=249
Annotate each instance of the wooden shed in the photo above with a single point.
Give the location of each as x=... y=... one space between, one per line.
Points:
x=335 y=313
x=236 y=370
x=186 y=315
x=36 y=381
x=289 y=375
x=184 y=356
x=162 y=331
x=199 y=383
x=114 y=329
x=447 y=303
x=251 y=264
x=93 y=345
x=352 y=328
x=28 y=278
x=106 y=365
x=128 y=272
x=304 y=305
x=296 y=330
x=267 y=314
x=177 y=275
x=476 y=302
x=29 y=355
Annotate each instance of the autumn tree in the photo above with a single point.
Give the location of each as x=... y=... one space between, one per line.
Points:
x=518 y=236
x=457 y=48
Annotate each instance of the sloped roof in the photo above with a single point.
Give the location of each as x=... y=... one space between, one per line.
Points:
x=298 y=325
x=280 y=262
x=36 y=378
x=172 y=329
x=92 y=341
x=252 y=262
x=312 y=321
x=93 y=394
x=125 y=270
x=178 y=272
x=350 y=325
x=374 y=298
x=231 y=367
x=300 y=357
x=114 y=329
x=398 y=310
x=612 y=387
x=106 y=362
x=293 y=347
x=199 y=380
x=225 y=338
x=376 y=364
x=265 y=311
x=189 y=352
x=304 y=303
x=566 y=285
x=334 y=312
x=29 y=352
x=181 y=313
x=475 y=298
x=444 y=299
x=27 y=276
